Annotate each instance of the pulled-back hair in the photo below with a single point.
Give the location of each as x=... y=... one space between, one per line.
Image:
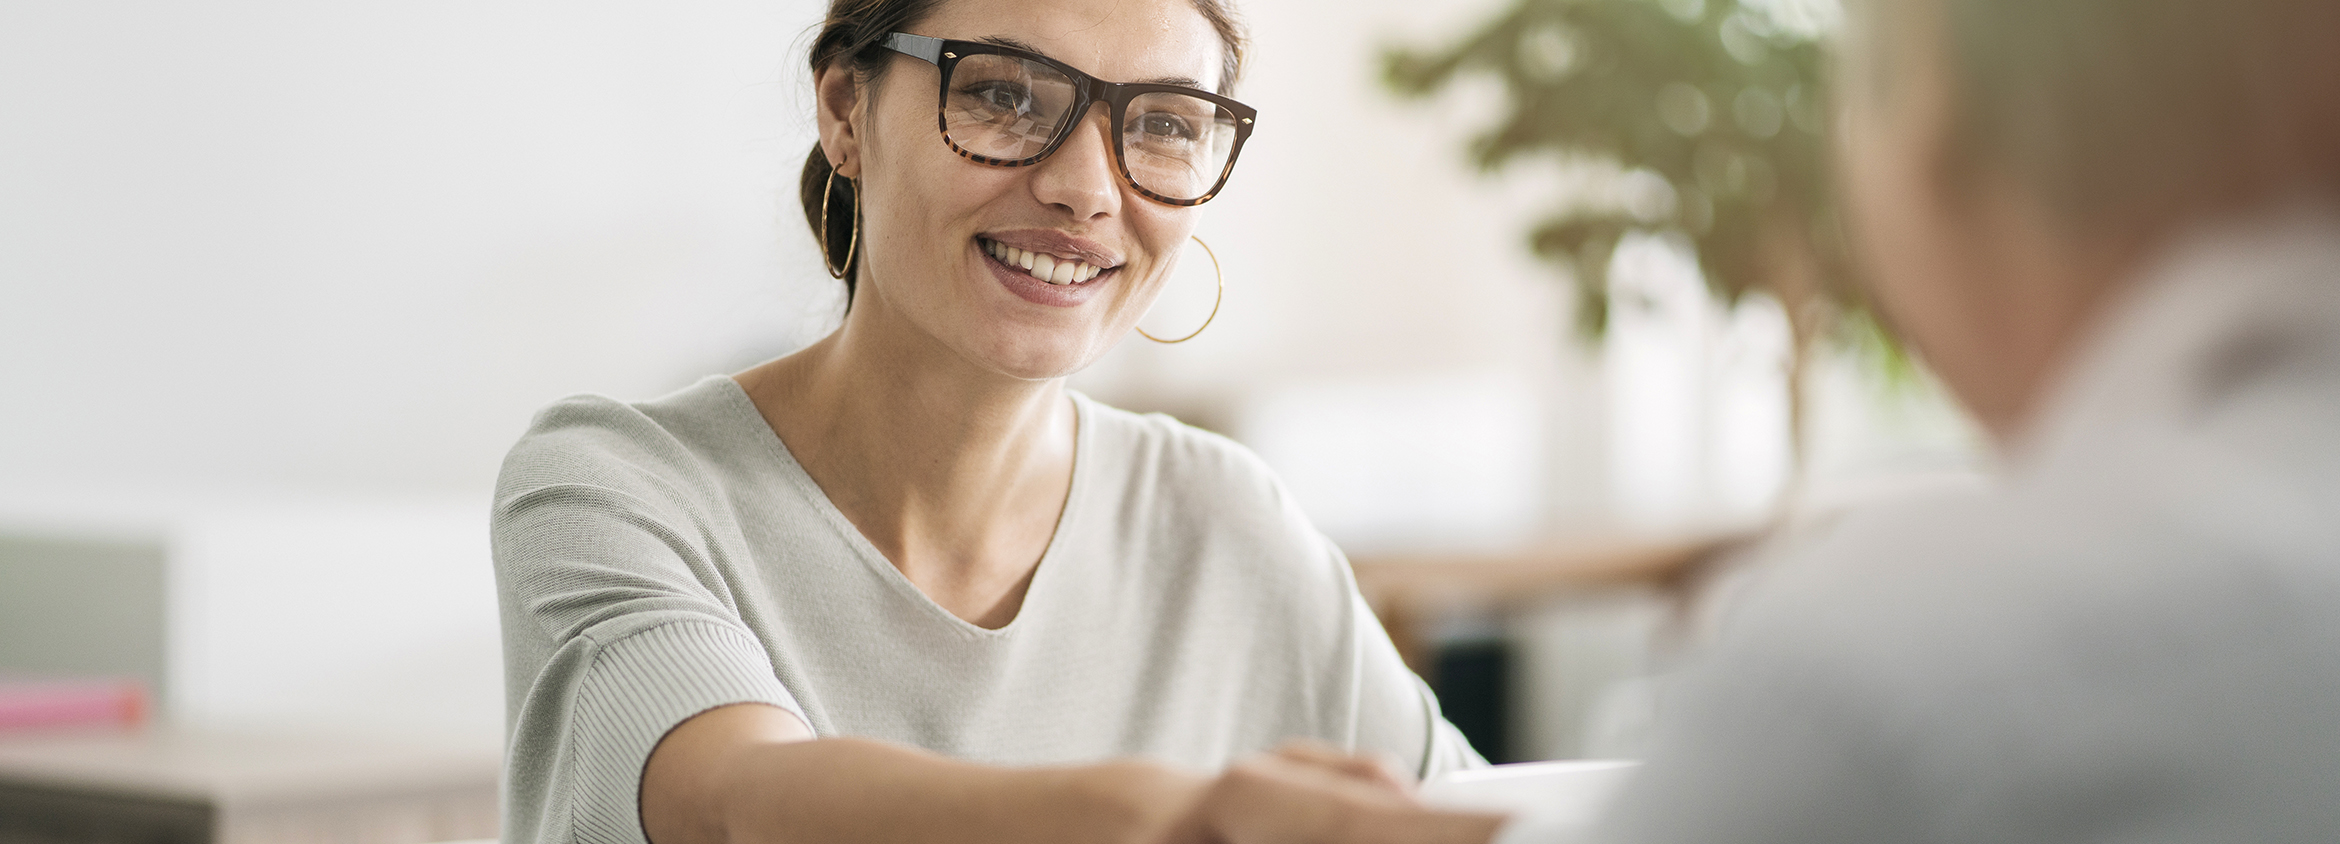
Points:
x=851 y=34
x=2121 y=112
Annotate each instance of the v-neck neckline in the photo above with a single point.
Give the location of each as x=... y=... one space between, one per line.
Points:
x=793 y=473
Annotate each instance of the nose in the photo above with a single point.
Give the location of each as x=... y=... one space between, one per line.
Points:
x=1079 y=177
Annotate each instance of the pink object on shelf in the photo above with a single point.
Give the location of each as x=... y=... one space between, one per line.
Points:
x=34 y=704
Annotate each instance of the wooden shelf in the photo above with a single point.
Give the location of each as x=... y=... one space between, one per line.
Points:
x=1411 y=591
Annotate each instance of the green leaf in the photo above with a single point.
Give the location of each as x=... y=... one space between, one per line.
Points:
x=1743 y=147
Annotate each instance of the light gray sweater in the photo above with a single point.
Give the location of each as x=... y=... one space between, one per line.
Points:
x=659 y=559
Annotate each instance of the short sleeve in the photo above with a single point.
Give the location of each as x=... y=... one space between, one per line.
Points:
x=617 y=629
x=637 y=689
x=1396 y=711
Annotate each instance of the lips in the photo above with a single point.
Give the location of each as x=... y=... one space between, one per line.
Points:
x=1042 y=266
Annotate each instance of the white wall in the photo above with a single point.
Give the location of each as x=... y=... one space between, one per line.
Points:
x=354 y=244
x=244 y=610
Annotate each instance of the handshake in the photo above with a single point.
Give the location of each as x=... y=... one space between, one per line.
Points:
x=1307 y=793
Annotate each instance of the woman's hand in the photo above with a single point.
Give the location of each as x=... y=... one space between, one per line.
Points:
x=1308 y=793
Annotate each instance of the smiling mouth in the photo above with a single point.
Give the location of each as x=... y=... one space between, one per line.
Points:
x=1040 y=265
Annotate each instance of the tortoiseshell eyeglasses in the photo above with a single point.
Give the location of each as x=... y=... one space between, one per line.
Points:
x=1012 y=108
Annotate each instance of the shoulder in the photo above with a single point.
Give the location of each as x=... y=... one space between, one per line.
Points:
x=1913 y=570
x=1199 y=497
x=1925 y=606
x=655 y=450
x=1178 y=465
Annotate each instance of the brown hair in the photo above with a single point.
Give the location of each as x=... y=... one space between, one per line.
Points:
x=2126 y=112
x=851 y=34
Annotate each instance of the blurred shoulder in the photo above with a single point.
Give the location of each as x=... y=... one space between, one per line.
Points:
x=1856 y=570
x=1943 y=557
x=1995 y=585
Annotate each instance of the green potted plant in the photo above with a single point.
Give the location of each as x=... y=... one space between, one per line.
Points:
x=1716 y=105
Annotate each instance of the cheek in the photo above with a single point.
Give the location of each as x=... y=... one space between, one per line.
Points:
x=922 y=209
x=1165 y=232
x=1171 y=258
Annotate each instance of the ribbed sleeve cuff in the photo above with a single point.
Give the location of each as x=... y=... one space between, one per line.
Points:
x=642 y=686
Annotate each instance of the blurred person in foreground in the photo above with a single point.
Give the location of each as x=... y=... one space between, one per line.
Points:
x=2113 y=228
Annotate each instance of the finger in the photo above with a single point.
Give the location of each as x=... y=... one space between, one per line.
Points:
x=1311 y=751
x=1273 y=799
x=1396 y=770
x=1192 y=828
x=1381 y=770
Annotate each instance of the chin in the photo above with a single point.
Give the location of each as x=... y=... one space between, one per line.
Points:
x=1041 y=358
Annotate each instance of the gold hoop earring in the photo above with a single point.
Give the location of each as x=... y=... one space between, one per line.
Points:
x=1215 y=302
x=836 y=271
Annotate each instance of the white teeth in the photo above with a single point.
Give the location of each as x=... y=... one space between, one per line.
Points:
x=1044 y=267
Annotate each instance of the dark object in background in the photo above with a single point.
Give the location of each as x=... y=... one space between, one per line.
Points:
x=1473 y=684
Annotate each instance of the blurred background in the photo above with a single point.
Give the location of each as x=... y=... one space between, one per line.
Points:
x=280 y=282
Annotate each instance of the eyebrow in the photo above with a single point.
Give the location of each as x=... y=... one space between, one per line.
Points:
x=1026 y=46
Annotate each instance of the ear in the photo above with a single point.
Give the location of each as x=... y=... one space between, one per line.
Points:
x=838 y=107
x=1927 y=114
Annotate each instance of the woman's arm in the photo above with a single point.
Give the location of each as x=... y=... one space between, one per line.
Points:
x=754 y=774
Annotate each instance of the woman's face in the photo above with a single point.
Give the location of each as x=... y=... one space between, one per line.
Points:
x=932 y=220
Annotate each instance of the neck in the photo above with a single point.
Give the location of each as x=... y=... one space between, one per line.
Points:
x=955 y=473
x=2038 y=306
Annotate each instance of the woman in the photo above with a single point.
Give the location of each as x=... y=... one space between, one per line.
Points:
x=818 y=600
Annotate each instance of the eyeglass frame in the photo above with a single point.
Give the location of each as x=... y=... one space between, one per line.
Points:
x=945 y=53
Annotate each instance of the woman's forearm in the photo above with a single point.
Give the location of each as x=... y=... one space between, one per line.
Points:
x=735 y=777
x=847 y=790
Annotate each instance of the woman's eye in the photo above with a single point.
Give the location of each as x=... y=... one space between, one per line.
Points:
x=1166 y=126
x=1001 y=96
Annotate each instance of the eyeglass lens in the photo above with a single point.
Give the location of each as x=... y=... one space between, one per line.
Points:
x=1010 y=108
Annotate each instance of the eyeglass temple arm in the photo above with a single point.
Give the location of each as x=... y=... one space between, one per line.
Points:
x=920 y=46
